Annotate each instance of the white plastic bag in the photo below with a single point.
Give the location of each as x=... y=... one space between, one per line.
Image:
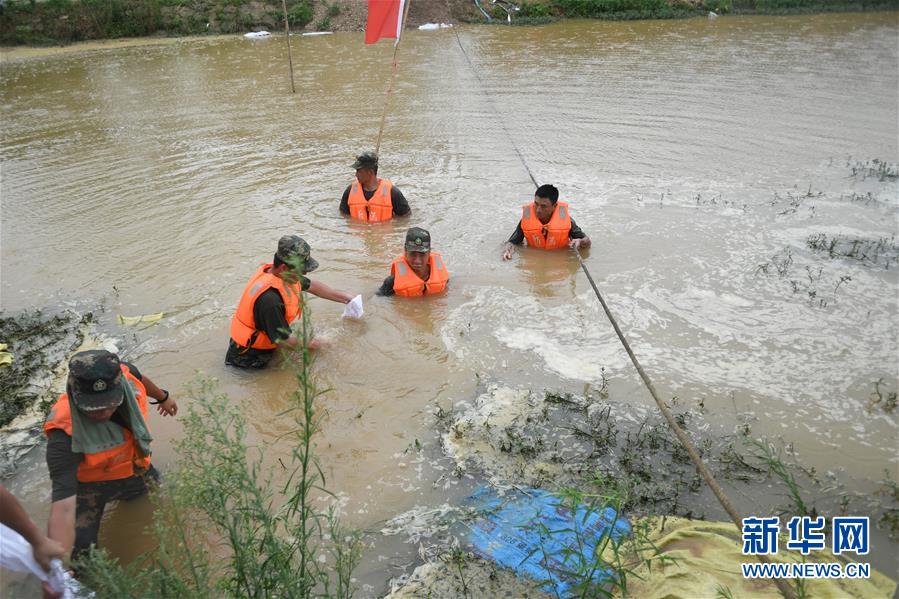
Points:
x=16 y=555
x=353 y=308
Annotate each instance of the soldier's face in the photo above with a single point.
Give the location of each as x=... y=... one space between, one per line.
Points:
x=100 y=415
x=418 y=261
x=544 y=209
x=364 y=175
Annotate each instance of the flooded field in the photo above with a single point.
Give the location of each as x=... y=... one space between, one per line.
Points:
x=738 y=177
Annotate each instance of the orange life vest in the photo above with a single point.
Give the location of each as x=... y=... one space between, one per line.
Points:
x=378 y=208
x=407 y=284
x=551 y=236
x=243 y=325
x=110 y=464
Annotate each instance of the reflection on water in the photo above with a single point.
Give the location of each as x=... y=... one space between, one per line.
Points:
x=156 y=178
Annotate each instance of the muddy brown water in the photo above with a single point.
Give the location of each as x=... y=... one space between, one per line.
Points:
x=156 y=177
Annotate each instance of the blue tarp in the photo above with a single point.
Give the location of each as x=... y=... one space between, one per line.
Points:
x=534 y=534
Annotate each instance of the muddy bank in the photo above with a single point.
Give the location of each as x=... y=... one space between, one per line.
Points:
x=40 y=345
x=516 y=441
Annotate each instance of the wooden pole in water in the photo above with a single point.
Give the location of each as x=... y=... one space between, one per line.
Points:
x=396 y=47
x=293 y=89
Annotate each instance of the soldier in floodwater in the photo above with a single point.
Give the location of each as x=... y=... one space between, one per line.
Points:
x=272 y=300
x=369 y=198
x=98 y=444
x=419 y=271
x=547 y=224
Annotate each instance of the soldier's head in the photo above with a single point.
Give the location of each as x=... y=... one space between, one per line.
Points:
x=366 y=166
x=545 y=202
x=418 y=250
x=95 y=383
x=293 y=256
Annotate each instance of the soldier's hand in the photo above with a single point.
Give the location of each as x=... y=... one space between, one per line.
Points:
x=168 y=408
x=45 y=550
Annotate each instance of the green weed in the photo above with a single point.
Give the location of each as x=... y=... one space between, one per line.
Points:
x=885 y=400
x=771 y=458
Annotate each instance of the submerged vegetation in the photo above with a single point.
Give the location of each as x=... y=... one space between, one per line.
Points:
x=596 y=457
x=882 y=251
x=880 y=169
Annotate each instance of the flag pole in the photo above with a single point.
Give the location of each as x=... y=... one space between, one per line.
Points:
x=293 y=89
x=396 y=47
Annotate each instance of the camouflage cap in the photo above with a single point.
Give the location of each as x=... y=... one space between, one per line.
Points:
x=293 y=249
x=418 y=240
x=95 y=380
x=366 y=160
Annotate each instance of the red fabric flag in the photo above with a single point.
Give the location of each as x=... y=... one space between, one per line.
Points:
x=385 y=19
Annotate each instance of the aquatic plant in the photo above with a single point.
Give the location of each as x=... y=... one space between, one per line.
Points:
x=271 y=540
x=880 y=169
x=769 y=456
x=881 y=251
x=885 y=400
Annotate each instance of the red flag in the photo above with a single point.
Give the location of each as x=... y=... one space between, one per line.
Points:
x=385 y=19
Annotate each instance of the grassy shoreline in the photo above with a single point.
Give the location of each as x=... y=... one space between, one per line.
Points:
x=62 y=22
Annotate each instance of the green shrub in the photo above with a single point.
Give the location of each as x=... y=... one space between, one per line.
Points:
x=300 y=14
x=534 y=10
x=600 y=8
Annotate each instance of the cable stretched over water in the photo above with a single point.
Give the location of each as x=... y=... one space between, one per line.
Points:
x=703 y=470
x=493 y=106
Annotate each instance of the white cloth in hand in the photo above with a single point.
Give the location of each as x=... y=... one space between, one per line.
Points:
x=353 y=308
x=16 y=555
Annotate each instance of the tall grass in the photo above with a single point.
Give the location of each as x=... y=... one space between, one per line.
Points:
x=224 y=528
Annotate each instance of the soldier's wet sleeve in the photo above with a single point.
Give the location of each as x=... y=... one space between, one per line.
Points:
x=400 y=205
x=134 y=371
x=345 y=201
x=517 y=237
x=575 y=232
x=62 y=465
x=386 y=288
